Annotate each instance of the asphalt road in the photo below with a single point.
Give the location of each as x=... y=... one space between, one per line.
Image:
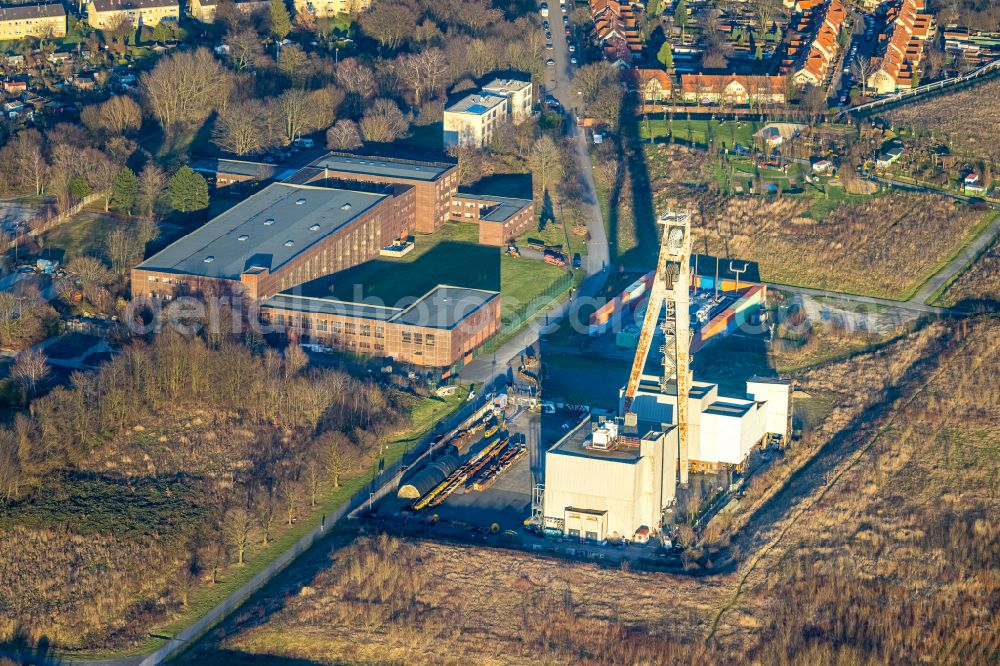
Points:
x=481 y=370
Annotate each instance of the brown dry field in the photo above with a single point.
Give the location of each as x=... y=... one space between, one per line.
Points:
x=879 y=247
x=872 y=541
x=969 y=118
x=979 y=284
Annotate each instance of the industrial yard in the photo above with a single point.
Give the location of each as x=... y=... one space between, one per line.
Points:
x=593 y=452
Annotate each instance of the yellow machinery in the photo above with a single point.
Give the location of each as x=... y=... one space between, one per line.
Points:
x=671 y=290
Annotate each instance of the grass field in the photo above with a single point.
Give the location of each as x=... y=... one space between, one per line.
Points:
x=449 y=256
x=702 y=132
x=978 y=285
x=82 y=236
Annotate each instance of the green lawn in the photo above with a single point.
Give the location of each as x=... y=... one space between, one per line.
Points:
x=450 y=256
x=423 y=413
x=82 y=236
x=729 y=132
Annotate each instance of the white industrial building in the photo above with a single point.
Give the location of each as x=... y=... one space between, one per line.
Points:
x=722 y=430
x=602 y=482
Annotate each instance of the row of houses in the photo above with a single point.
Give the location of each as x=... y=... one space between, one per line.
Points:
x=205 y=10
x=616 y=30
x=822 y=55
x=47 y=20
x=896 y=69
x=655 y=86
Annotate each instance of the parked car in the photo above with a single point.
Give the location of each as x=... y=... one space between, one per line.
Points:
x=303 y=143
x=577 y=260
x=572 y=61
x=550 y=62
x=572 y=49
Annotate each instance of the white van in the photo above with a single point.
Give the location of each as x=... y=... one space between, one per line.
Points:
x=304 y=143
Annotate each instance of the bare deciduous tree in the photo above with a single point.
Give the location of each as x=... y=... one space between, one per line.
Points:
x=424 y=72
x=186 y=87
x=119 y=115
x=383 y=122
x=239 y=525
x=239 y=128
x=344 y=135
x=152 y=183
x=30 y=371
x=546 y=161
x=356 y=77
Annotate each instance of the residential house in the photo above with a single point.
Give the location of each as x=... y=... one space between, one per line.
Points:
x=42 y=20
x=822 y=53
x=105 y=14
x=733 y=89
x=616 y=30
x=889 y=154
x=973 y=184
x=652 y=85
x=321 y=8
x=898 y=66
x=204 y=10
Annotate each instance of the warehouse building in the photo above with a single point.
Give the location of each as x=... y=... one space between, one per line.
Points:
x=604 y=481
x=434 y=182
x=282 y=236
x=500 y=219
x=722 y=430
x=440 y=329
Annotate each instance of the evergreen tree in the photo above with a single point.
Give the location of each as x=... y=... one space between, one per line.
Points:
x=78 y=187
x=187 y=190
x=281 y=22
x=123 y=190
x=666 y=56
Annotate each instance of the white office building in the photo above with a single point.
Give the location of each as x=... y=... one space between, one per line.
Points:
x=472 y=121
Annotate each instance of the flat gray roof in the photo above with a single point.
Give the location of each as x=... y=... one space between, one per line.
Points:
x=249 y=168
x=503 y=86
x=443 y=307
x=329 y=306
x=476 y=104
x=265 y=230
x=382 y=166
x=770 y=380
x=729 y=408
x=504 y=207
x=574 y=443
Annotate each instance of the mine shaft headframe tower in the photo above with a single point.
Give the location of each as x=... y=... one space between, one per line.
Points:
x=671 y=289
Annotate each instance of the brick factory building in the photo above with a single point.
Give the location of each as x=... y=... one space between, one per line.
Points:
x=280 y=237
x=440 y=329
x=434 y=182
x=500 y=219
